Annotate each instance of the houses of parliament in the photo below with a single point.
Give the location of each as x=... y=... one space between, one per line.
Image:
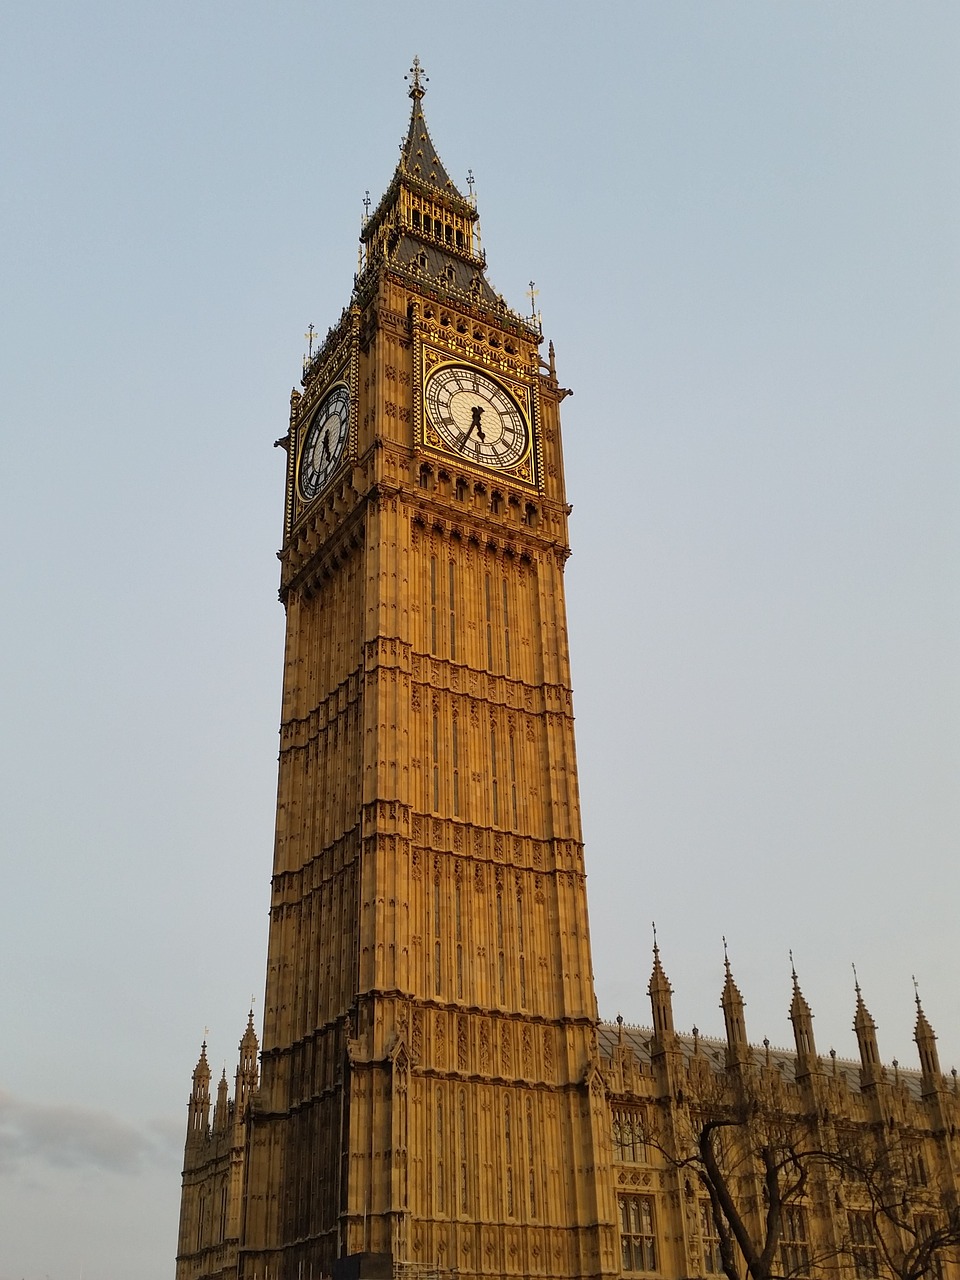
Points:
x=432 y=1094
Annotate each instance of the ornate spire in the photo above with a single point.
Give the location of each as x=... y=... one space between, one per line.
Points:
x=222 y=1109
x=423 y=227
x=248 y=1075
x=418 y=156
x=802 y=1020
x=660 y=993
x=732 y=1004
x=198 y=1108
x=201 y=1072
x=927 y=1044
x=871 y=1070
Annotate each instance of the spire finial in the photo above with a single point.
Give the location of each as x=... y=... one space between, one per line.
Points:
x=916 y=989
x=619 y=1028
x=793 y=967
x=856 y=980
x=656 y=949
x=417 y=80
x=726 y=958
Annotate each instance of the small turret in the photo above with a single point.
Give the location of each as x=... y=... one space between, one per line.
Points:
x=221 y=1113
x=802 y=1020
x=248 y=1075
x=661 y=1004
x=927 y=1044
x=198 y=1108
x=731 y=1002
x=871 y=1070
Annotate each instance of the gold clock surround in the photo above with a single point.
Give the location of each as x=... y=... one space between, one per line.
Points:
x=435 y=364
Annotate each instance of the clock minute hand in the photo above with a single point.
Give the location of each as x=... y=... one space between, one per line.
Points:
x=477 y=413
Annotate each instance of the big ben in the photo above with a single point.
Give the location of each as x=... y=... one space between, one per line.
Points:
x=428 y=1097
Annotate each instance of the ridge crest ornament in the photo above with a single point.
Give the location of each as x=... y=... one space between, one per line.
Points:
x=476 y=417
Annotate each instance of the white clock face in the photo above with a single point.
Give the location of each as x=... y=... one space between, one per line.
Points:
x=325 y=441
x=476 y=417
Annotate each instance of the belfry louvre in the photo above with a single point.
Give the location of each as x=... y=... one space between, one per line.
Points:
x=432 y=1093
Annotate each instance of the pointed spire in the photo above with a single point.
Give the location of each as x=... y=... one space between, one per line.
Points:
x=927 y=1044
x=871 y=1070
x=660 y=992
x=248 y=1075
x=198 y=1108
x=201 y=1074
x=418 y=155
x=732 y=1004
x=222 y=1108
x=802 y=1020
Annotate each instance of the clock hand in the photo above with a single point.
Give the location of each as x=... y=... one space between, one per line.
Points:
x=325 y=451
x=477 y=412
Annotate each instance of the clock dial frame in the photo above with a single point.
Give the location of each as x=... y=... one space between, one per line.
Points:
x=324 y=441
x=476 y=417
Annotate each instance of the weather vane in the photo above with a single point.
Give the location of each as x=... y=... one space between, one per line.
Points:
x=309 y=337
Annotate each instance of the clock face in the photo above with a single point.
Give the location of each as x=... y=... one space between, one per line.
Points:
x=325 y=441
x=476 y=417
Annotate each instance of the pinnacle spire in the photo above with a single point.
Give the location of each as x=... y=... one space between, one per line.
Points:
x=732 y=1004
x=423 y=227
x=660 y=993
x=202 y=1070
x=418 y=156
x=927 y=1044
x=222 y=1109
x=198 y=1108
x=802 y=1020
x=798 y=1005
x=863 y=1024
x=248 y=1075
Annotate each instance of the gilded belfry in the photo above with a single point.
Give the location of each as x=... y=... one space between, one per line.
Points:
x=433 y=1094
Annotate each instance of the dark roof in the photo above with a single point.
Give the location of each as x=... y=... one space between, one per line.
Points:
x=418 y=155
x=713 y=1050
x=445 y=270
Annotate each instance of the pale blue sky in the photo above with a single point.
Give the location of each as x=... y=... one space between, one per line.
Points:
x=743 y=222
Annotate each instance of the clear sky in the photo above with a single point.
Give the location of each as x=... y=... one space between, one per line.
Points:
x=742 y=219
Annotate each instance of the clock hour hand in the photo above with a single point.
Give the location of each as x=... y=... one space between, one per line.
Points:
x=325 y=451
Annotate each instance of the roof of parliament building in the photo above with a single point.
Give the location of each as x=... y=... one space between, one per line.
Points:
x=712 y=1050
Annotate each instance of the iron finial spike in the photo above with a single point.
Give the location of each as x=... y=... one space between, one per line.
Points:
x=417 y=80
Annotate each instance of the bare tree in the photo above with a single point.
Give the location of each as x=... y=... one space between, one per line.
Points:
x=900 y=1223
x=753 y=1165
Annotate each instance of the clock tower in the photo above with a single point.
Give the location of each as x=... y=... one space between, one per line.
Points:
x=429 y=1096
